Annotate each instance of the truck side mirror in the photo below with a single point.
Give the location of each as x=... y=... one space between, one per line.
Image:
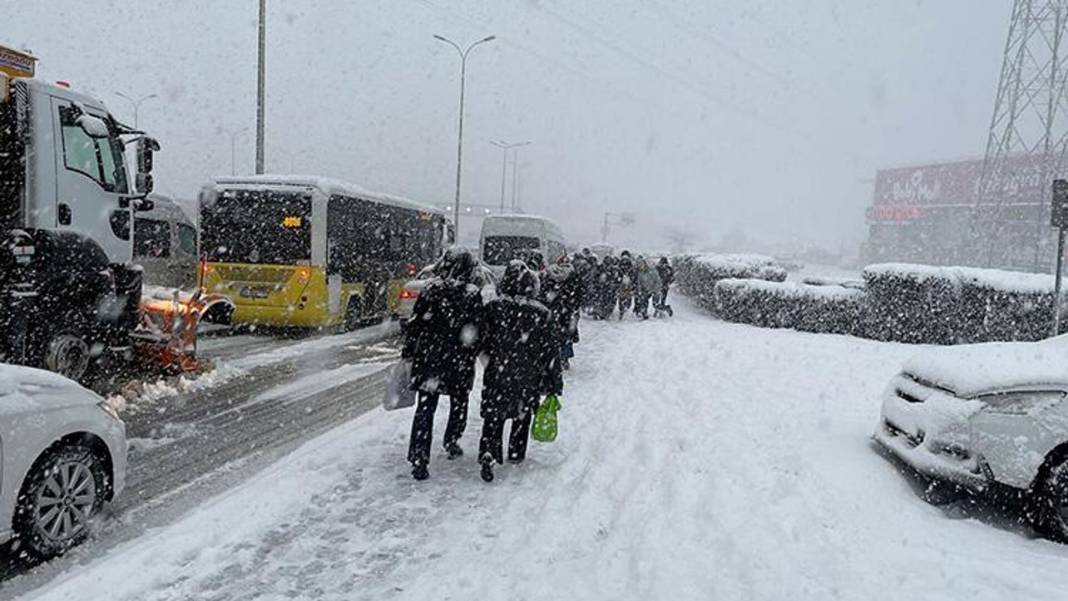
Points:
x=144 y=185
x=146 y=146
x=94 y=127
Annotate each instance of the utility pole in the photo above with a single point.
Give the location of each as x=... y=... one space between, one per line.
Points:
x=261 y=86
x=460 y=129
x=505 y=146
x=136 y=103
x=1027 y=142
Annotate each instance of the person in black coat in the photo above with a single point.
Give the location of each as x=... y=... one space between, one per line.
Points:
x=667 y=275
x=562 y=292
x=517 y=337
x=442 y=343
x=628 y=279
x=608 y=283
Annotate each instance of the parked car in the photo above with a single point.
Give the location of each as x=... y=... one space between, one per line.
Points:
x=62 y=456
x=983 y=415
x=410 y=291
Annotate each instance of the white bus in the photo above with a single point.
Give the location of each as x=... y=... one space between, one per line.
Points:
x=504 y=237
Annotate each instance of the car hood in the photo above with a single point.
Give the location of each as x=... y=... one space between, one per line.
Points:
x=29 y=390
x=974 y=369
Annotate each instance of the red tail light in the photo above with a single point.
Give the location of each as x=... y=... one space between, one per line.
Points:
x=409 y=294
x=412 y=269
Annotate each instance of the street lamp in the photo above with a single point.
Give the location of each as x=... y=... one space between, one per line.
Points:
x=505 y=146
x=136 y=103
x=460 y=134
x=233 y=149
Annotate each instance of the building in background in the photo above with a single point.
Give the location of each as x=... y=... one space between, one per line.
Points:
x=931 y=214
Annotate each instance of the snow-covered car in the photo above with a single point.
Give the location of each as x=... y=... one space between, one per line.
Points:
x=62 y=456
x=411 y=290
x=984 y=414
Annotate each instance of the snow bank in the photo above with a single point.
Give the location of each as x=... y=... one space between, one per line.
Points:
x=696 y=275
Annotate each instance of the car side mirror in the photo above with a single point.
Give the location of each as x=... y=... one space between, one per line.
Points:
x=144 y=185
x=146 y=147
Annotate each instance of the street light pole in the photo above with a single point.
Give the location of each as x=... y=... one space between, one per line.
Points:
x=460 y=133
x=505 y=146
x=261 y=86
x=233 y=149
x=136 y=103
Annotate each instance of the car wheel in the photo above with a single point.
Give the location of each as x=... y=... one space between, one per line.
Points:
x=353 y=314
x=62 y=493
x=1049 y=504
x=67 y=354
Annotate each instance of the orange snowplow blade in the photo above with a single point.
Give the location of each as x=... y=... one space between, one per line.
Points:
x=166 y=334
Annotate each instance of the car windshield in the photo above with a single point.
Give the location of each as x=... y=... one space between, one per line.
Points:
x=768 y=302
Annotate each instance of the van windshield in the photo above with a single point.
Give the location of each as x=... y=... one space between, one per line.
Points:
x=499 y=250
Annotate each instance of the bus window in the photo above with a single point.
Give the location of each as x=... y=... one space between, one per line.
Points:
x=187 y=239
x=257 y=226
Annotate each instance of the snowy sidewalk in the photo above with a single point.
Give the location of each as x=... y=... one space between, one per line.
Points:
x=697 y=460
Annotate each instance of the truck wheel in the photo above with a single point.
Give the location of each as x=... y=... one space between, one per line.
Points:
x=353 y=314
x=67 y=354
x=61 y=494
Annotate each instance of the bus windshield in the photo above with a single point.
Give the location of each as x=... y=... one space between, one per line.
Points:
x=257 y=226
x=499 y=250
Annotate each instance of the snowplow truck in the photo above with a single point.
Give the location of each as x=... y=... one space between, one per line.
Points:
x=70 y=294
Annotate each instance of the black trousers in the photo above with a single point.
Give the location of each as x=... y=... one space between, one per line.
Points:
x=423 y=424
x=492 y=443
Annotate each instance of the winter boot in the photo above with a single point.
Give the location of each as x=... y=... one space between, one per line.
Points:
x=487 y=470
x=454 y=451
x=420 y=472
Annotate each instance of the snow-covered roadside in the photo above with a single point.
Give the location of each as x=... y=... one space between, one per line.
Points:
x=697 y=460
x=147 y=394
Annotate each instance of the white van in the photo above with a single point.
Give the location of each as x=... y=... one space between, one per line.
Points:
x=504 y=237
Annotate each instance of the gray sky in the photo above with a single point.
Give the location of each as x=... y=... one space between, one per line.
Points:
x=769 y=115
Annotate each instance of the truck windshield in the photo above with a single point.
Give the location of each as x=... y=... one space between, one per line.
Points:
x=499 y=250
x=257 y=226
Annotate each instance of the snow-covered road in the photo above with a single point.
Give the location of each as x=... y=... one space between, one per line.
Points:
x=697 y=460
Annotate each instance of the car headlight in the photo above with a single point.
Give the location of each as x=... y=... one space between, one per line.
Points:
x=108 y=408
x=1021 y=403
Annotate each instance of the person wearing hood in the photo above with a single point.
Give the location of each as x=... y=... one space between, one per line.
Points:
x=627 y=282
x=608 y=283
x=648 y=288
x=441 y=341
x=516 y=335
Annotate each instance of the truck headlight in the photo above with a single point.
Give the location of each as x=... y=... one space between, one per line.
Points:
x=1021 y=403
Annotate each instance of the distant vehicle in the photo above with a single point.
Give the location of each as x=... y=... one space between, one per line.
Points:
x=62 y=456
x=504 y=237
x=983 y=415
x=312 y=252
x=165 y=245
x=413 y=288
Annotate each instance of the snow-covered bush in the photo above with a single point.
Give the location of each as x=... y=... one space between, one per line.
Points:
x=948 y=305
x=824 y=309
x=696 y=275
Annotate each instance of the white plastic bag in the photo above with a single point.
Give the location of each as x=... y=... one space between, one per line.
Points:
x=397 y=394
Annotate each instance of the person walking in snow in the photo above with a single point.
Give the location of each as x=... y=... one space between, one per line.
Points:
x=648 y=288
x=667 y=276
x=608 y=282
x=516 y=335
x=441 y=341
x=627 y=282
x=561 y=293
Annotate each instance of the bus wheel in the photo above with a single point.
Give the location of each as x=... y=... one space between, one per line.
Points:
x=353 y=317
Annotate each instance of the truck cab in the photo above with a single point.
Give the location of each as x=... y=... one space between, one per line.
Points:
x=68 y=287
